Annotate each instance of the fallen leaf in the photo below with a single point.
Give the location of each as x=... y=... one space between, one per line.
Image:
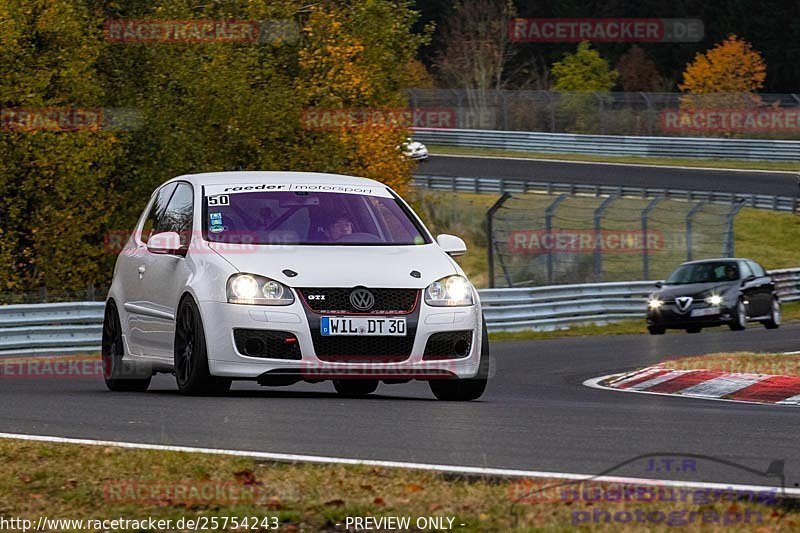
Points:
x=413 y=487
x=336 y=503
x=246 y=477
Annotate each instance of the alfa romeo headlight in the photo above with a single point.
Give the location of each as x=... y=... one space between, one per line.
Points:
x=257 y=290
x=655 y=303
x=714 y=299
x=450 y=291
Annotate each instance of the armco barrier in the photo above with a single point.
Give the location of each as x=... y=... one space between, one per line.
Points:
x=614 y=145
x=54 y=328
x=507 y=185
x=76 y=327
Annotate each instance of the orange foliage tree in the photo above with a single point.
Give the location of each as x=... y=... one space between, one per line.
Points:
x=726 y=75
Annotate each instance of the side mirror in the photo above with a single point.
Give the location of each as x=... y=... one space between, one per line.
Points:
x=452 y=245
x=167 y=242
x=748 y=279
x=659 y=284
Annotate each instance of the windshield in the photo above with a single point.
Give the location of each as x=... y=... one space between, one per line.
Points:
x=704 y=273
x=302 y=217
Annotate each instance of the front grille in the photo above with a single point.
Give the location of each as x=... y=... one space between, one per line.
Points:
x=356 y=349
x=448 y=345
x=336 y=301
x=267 y=343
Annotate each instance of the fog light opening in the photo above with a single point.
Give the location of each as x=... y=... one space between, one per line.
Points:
x=460 y=348
x=254 y=346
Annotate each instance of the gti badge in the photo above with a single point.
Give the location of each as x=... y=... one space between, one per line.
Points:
x=683 y=303
x=362 y=299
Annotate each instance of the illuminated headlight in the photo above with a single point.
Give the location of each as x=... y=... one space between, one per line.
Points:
x=257 y=290
x=715 y=300
x=449 y=291
x=655 y=303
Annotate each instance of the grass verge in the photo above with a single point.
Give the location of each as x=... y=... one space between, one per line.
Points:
x=631 y=160
x=740 y=362
x=65 y=481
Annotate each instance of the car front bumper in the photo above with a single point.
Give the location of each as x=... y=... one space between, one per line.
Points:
x=668 y=317
x=225 y=360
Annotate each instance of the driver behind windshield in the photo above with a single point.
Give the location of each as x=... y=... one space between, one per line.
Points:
x=341 y=227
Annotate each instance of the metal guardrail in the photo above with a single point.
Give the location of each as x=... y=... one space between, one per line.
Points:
x=506 y=185
x=50 y=329
x=560 y=305
x=76 y=327
x=619 y=145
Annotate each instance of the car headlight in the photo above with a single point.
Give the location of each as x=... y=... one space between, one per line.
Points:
x=655 y=303
x=257 y=290
x=449 y=291
x=715 y=300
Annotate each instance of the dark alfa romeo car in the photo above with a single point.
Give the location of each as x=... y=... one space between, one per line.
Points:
x=713 y=292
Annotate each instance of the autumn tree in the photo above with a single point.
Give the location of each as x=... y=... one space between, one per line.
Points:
x=582 y=76
x=638 y=72
x=583 y=71
x=202 y=106
x=55 y=172
x=476 y=51
x=727 y=75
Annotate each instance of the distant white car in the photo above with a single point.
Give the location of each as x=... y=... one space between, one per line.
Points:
x=281 y=277
x=414 y=150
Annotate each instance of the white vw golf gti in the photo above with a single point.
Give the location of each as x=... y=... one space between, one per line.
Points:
x=282 y=277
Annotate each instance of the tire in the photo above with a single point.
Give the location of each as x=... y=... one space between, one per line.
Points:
x=694 y=330
x=739 y=317
x=656 y=330
x=112 y=353
x=191 y=354
x=774 y=320
x=355 y=387
x=464 y=390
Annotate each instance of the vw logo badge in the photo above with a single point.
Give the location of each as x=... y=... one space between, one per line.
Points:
x=362 y=299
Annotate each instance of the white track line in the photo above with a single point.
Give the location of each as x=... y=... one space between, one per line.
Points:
x=594 y=383
x=722 y=385
x=633 y=376
x=659 y=379
x=794 y=400
x=466 y=470
x=644 y=165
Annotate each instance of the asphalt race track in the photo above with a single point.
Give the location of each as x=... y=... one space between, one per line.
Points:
x=536 y=414
x=751 y=182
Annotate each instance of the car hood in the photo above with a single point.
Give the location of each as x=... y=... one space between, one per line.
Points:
x=695 y=290
x=344 y=266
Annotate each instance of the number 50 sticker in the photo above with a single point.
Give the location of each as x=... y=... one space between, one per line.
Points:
x=220 y=199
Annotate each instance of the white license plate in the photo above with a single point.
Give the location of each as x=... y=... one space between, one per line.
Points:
x=362 y=326
x=704 y=312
